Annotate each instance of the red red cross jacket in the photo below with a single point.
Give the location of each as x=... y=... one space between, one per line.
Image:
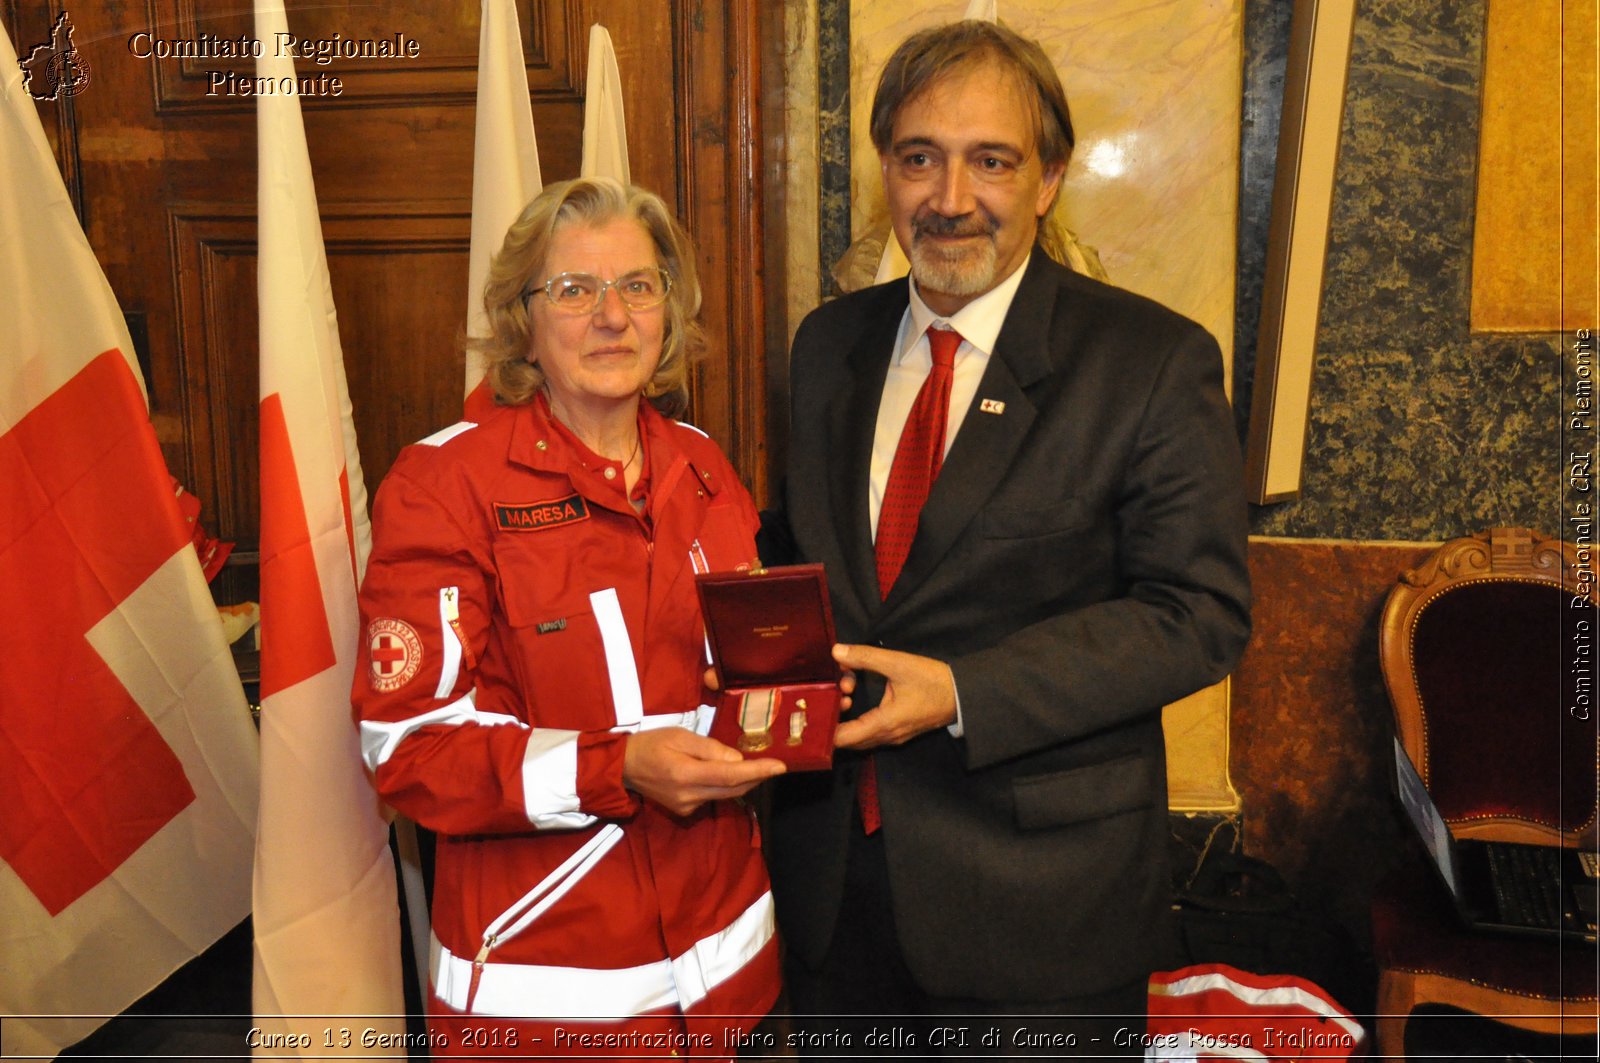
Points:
x=521 y=620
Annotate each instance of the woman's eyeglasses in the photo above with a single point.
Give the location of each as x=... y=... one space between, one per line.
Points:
x=581 y=293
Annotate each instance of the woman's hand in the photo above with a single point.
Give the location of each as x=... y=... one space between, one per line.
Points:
x=680 y=771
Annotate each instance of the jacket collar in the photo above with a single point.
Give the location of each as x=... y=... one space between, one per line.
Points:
x=539 y=443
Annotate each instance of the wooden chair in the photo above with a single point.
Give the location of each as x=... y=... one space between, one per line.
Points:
x=1488 y=650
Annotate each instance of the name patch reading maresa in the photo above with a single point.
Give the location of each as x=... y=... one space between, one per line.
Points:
x=538 y=516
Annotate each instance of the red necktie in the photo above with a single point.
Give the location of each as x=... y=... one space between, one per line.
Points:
x=917 y=459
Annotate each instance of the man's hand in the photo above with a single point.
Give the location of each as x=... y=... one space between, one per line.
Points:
x=921 y=695
x=680 y=771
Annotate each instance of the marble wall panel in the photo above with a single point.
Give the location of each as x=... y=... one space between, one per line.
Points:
x=1419 y=429
x=799 y=147
x=836 y=67
x=1266 y=59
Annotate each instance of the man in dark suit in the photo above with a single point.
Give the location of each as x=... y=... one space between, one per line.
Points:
x=992 y=837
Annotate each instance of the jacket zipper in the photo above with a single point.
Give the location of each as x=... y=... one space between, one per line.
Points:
x=531 y=905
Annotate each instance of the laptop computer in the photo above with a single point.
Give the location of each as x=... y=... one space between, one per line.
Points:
x=1503 y=886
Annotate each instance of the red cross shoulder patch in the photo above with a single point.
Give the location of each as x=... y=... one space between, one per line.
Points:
x=395 y=652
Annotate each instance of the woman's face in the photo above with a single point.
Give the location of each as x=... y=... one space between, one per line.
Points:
x=607 y=355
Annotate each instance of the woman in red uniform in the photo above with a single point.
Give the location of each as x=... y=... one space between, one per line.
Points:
x=530 y=685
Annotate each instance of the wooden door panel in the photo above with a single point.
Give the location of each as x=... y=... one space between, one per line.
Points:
x=394 y=277
x=213 y=249
x=394 y=280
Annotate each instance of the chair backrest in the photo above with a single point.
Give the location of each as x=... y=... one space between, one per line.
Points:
x=1488 y=650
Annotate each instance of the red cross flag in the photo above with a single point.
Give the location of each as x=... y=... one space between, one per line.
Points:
x=327 y=921
x=127 y=758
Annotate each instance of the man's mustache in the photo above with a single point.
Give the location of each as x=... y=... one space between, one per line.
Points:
x=929 y=223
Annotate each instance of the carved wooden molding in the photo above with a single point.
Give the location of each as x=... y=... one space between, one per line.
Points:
x=1501 y=551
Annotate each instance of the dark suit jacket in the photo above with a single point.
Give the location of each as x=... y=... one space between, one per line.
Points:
x=1079 y=563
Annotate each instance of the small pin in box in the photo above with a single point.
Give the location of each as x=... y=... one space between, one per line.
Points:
x=771 y=636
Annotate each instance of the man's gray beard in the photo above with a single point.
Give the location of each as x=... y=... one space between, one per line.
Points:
x=969 y=271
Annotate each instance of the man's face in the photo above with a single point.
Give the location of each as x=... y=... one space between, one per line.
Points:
x=965 y=186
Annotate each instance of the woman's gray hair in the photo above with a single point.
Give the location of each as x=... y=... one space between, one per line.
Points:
x=520 y=264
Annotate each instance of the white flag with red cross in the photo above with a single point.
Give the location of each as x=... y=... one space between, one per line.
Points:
x=127 y=757
x=327 y=921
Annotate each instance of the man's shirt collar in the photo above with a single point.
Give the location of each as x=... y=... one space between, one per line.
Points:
x=979 y=322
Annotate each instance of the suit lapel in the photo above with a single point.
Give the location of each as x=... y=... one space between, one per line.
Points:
x=854 y=420
x=987 y=442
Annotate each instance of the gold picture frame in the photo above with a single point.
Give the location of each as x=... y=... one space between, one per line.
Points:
x=1320 y=37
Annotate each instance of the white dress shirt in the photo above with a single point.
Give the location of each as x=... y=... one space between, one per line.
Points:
x=979 y=323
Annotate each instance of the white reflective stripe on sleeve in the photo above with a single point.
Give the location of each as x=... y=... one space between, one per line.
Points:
x=689 y=721
x=550 y=889
x=445 y=435
x=533 y=991
x=625 y=693
x=379 y=739
x=578 y=994
x=697 y=559
x=449 y=641
x=716 y=958
x=550 y=780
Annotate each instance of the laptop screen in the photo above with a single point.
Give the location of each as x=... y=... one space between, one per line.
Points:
x=1425 y=818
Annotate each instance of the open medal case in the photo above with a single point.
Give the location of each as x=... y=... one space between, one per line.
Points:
x=771 y=637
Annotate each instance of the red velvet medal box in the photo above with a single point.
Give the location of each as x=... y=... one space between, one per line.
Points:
x=771 y=635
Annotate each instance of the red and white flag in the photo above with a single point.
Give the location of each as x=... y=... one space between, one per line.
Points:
x=127 y=757
x=505 y=167
x=326 y=919
x=1213 y=1012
